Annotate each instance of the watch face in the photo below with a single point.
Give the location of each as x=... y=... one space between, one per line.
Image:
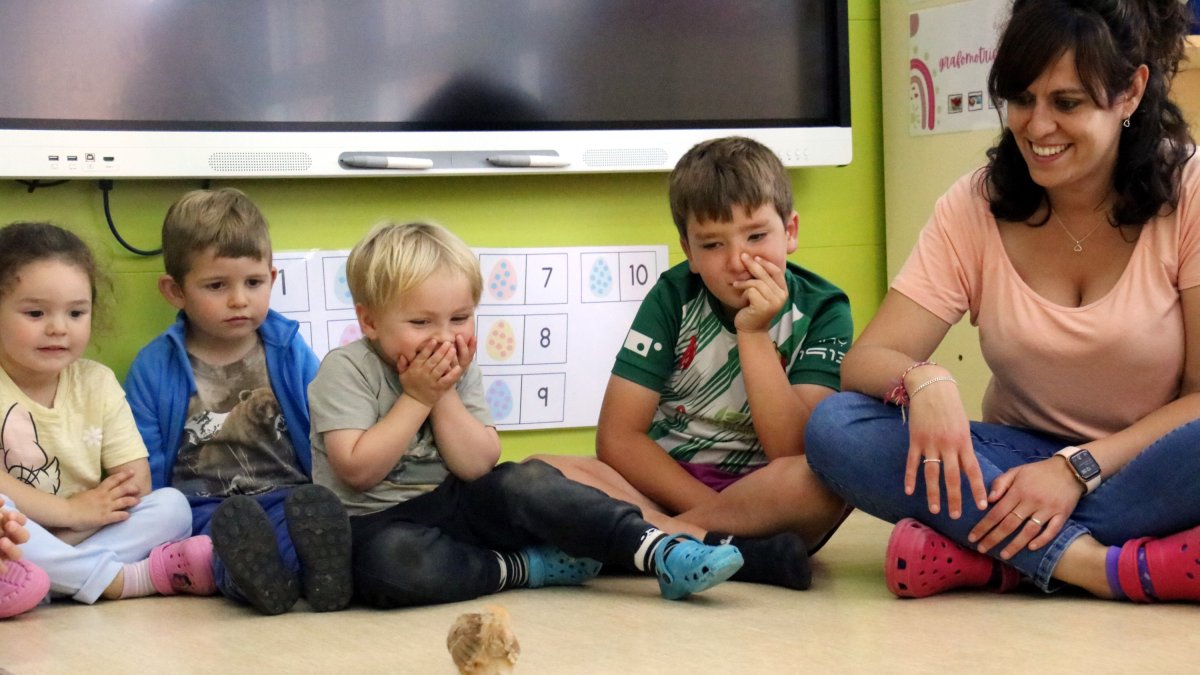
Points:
x=1085 y=465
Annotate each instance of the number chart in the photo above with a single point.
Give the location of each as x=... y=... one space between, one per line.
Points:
x=548 y=325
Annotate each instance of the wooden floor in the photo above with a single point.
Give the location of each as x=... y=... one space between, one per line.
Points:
x=847 y=623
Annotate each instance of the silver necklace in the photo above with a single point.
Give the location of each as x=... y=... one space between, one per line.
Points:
x=1078 y=247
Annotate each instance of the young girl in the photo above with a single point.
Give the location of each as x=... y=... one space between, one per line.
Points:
x=74 y=463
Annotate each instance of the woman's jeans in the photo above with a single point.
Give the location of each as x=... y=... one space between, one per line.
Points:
x=859 y=447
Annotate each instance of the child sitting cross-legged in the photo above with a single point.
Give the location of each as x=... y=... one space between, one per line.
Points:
x=704 y=417
x=76 y=497
x=220 y=399
x=401 y=433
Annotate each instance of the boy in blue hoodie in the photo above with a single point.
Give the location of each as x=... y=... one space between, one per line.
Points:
x=220 y=399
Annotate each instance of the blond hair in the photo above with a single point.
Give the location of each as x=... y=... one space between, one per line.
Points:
x=719 y=174
x=394 y=258
x=224 y=220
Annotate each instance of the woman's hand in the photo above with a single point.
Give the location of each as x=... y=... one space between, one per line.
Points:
x=940 y=443
x=1032 y=500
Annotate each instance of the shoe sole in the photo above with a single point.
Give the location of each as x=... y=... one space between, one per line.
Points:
x=244 y=539
x=320 y=531
x=29 y=584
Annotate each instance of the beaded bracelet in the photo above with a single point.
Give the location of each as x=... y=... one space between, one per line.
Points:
x=898 y=395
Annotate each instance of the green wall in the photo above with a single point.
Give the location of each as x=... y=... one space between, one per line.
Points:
x=841 y=221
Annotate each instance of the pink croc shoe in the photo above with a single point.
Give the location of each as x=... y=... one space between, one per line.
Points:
x=22 y=587
x=922 y=562
x=183 y=567
x=1161 y=569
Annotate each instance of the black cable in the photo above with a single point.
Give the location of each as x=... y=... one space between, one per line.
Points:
x=31 y=185
x=105 y=187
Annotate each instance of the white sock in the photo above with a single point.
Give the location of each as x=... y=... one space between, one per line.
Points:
x=137 y=580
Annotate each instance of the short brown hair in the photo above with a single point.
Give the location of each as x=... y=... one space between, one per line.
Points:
x=223 y=219
x=719 y=174
x=394 y=258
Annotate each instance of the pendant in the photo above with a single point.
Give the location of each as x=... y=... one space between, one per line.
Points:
x=1078 y=248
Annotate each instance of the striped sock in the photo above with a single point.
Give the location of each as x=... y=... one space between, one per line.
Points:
x=137 y=580
x=514 y=570
x=643 y=558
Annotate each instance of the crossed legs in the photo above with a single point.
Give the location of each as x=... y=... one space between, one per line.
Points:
x=783 y=496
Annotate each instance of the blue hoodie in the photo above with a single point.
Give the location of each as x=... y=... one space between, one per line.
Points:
x=160 y=384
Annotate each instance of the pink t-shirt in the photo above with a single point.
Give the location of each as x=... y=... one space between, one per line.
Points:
x=1078 y=372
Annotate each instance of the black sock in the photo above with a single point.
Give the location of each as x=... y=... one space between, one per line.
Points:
x=781 y=560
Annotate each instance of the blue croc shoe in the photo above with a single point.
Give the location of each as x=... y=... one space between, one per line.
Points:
x=692 y=566
x=552 y=566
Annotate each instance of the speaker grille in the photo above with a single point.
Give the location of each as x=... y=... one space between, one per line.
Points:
x=627 y=157
x=242 y=162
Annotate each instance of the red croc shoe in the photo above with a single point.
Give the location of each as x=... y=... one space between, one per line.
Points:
x=1161 y=569
x=922 y=562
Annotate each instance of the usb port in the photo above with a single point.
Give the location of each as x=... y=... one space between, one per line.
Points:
x=72 y=158
x=91 y=157
x=53 y=158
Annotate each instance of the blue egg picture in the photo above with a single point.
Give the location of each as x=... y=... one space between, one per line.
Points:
x=499 y=400
x=600 y=280
x=341 y=288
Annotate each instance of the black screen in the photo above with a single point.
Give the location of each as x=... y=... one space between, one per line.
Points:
x=406 y=65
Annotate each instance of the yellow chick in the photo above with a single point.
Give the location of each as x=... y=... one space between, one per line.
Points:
x=483 y=643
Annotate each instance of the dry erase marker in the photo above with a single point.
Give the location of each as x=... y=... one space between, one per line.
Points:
x=386 y=162
x=553 y=161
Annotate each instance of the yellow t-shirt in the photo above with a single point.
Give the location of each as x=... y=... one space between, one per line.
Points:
x=66 y=449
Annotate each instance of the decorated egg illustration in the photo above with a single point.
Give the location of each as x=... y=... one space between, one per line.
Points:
x=341 y=288
x=499 y=400
x=502 y=280
x=350 y=333
x=501 y=340
x=600 y=279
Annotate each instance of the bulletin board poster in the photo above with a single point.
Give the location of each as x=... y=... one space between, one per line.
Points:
x=549 y=323
x=951 y=49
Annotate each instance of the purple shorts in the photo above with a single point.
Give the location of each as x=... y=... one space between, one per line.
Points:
x=713 y=477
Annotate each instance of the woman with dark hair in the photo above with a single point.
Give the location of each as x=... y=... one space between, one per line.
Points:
x=1076 y=251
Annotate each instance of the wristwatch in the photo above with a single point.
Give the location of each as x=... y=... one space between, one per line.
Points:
x=1083 y=465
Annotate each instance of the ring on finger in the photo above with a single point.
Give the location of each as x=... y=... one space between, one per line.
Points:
x=1014 y=513
x=931 y=459
x=1036 y=521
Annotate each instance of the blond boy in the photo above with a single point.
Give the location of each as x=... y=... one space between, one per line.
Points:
x=402 y=435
